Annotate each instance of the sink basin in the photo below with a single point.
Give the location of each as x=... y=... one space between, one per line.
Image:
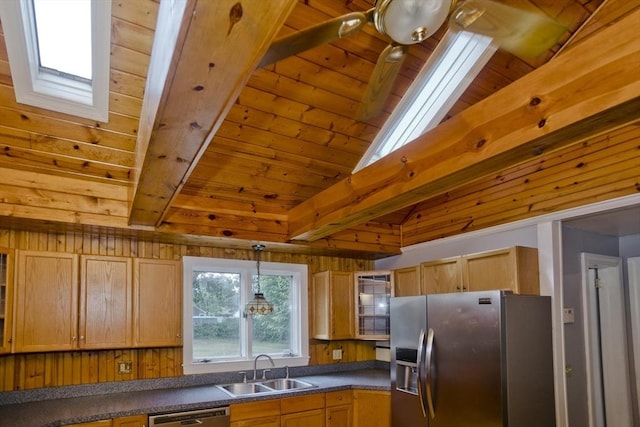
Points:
x=240 y=389
x=269 y=386
x=286 y=384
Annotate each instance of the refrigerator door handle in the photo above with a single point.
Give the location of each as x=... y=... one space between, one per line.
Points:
x=420 y=365
x=429 y=360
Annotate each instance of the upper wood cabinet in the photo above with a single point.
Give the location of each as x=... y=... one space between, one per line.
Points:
x=46 y=311
x=514 y=268
x=442 y=276
x=406 y=282
x=157 y=303
x=105 y=302
x=373 y=289
x=6 y=298
x=332 y=299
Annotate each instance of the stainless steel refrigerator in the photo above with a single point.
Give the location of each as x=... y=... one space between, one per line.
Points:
x=472 y=359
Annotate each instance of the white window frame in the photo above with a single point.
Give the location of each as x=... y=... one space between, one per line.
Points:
x=45 y=90
x=299 y=313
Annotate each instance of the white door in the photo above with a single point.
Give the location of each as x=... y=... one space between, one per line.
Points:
x=634 y=302
x=609 y=388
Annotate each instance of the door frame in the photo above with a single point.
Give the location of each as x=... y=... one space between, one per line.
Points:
x=615 y=363
x=633 y=269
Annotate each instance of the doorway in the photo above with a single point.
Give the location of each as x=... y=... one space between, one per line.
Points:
x=607 y=360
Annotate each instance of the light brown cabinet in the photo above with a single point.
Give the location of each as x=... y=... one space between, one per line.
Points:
x=332 y=299
x=442 y=276
x=371 y=408
x=373 y=290
x=6 y=299
x=406 y=281
x=264 y=413
x=339 y=409
x=105 y=302
x=157 y=303
x=303 y=411
x=131 y=421
x=46 y=311
x=514 y=268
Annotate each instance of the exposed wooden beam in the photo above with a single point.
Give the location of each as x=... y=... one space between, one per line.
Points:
x=586 y=91
x=223 y=41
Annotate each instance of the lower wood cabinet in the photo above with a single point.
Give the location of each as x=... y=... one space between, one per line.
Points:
x=364 y=414
x=332 y=409
x=263 y=413
x=130 y=421
x=339 y=409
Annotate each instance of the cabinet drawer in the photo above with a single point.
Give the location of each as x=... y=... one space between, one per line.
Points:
x=341 y=397
x=302 y=403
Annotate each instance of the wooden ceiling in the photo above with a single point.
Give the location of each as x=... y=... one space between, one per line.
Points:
x=201 y=145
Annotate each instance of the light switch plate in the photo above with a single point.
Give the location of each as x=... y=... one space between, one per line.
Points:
x=568 y=315
x=337 y=354
x=124 y=367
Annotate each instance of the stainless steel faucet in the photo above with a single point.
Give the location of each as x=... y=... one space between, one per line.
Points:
x=255 y=364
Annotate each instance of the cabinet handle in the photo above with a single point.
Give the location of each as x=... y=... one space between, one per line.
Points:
x=73 y=338
x=81 y=337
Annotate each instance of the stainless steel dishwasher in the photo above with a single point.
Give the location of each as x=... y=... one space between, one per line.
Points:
x=215 y=417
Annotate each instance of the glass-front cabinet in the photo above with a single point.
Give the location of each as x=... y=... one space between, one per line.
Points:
x=373 y=289
x=6 y=287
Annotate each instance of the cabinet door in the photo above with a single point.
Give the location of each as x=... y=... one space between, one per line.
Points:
x=46 y=315
x=105 y=302
x=157 y=301
x=101 y=423
x=332 y=298
x=263 y=413
x=407 y=282
x=373 y=289
x=371 y=408
x=314 y=418
x=131 y=421
x=339 y=416
x=514 y=268
x=442 y=276
x=6 y=298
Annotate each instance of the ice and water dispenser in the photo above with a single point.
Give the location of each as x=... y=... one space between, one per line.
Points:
x=407 y=370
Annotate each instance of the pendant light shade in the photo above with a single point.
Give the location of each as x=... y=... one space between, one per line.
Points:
x=259 y=304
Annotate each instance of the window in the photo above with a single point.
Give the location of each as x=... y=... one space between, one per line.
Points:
x=59 y=54
x=219 y=336
x=454 y=64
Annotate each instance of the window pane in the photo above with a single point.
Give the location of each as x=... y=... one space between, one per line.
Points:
x=272 y=332
x=64 y=35
x=216 y=315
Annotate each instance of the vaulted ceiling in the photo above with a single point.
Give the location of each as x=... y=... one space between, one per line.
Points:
x=201 y=145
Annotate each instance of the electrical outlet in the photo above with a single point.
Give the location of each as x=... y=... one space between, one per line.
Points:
x=125 y=367
x=337 y=354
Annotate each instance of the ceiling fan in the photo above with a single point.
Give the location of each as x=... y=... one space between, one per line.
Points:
x=408 y=22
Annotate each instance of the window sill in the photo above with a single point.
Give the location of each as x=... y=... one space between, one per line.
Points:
x=243 y=365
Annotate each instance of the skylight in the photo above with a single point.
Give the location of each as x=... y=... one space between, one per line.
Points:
x=454 y=64
x=63 y=30
x=59 y=54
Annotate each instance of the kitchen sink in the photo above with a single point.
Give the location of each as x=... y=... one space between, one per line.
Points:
x=268 y=386
x=240 y=389
x=286 y=384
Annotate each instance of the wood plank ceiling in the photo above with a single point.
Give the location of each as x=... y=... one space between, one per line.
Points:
x=286 y=133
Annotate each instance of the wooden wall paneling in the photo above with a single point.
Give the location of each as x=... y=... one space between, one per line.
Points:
x=598 y=169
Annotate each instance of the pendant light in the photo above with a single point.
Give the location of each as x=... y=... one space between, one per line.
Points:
x=258 y=305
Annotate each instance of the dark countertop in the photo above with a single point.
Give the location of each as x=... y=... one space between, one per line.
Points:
x=58 y=412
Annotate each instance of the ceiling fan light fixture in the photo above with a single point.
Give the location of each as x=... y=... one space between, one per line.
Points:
x=350 y=26
x=401 y=20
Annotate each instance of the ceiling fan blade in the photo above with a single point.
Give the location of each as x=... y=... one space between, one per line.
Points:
x=325 y=32
x=523 y=33
x=381 y=82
